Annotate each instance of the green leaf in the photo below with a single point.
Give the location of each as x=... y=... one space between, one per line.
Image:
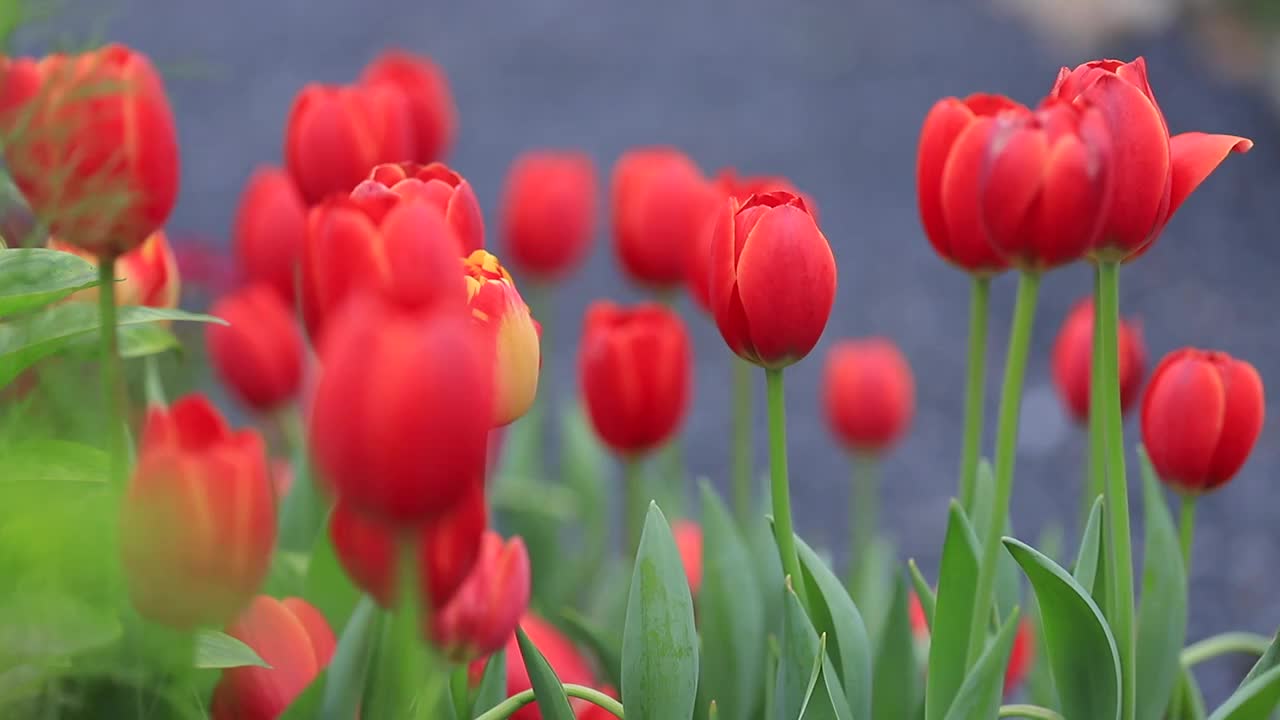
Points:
x=835 y=615
x=979 y=696
x=924 y=592
x=1162 y=609
x=584 y=466
x=493 y=684
x=1270 y=658
x=1193 y=700
x=984 y=491
x=801 y=649
x=732 y=615
x=552 y=702
x=768 y=570
x=1254 y=701
x=896 y=676
x=219 y=650
x=327 y=585
x=659 y=642
x=949 y=642
x=603 y=645
x=42 y=626
x=133 y=341
x=1082 y=651
x=304 y=510
x=824 y=699
x=46 y=460
x=872 y=587
x=1087 y=556
x=349 y=668
x=35 y=277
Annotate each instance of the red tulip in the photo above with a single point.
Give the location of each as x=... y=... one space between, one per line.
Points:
x=336 y=134
x=148 y=274
x=438 y=186
x=270 y=230
x=688 y=537
x=90 y=141
x=485 y=610
x=259 y=355
x=501 y=315
x=402 y=411
x=293 y=638
x=951 y=211
x=635 y=368
x=198 y=519
x=1201 y=416
x=548 y=212
x=660 y=205
x=869 y=394
x=1152 y=174
x=773 y=279
x=432 y=115
x=1073 y=360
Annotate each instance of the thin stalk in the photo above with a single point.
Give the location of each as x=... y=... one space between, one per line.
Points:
x=1225 y=644
x=508 y=707
x=461 y=692
x=637 y=502
x=1096 y=484
x=864 y=508
x=1187 y=531
x=744 y=504
x=1033 y=712
x=780 y=484
x=112 y=378
x=1024 y=312
x=974 y=389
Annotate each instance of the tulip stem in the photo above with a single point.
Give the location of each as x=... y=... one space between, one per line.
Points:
x=1096 y=484
x=1117 y=491
x=508 y=707
x=636 y=500
x=112 y=379
x=863 y=510
x=1035 y=712
x=1024 y=312
x=974 y=389
x=780 y=484
x=1187 y=530
x=744 y=504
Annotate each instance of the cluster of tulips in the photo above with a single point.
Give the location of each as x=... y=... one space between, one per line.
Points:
x=375 y=573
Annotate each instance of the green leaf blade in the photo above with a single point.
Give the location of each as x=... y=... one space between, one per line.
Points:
x=980 y=693
x=552 y=702
x=1086 y=568
x=949 y=642
x=835 y=615
x=896 y=681
x=1162 y=609
x=31 y=278
x=1255 y=700
x=219 y=650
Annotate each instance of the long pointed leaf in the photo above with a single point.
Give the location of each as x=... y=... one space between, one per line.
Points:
x=1255 y=701
x=896 y=683
x=1086 y=568
x=800 y=662
x=949 y=642
x=547 y=690
x=835 y=615
x=1270 y=658
x=350 y=665
x=33 y=277
x=493 y=684
x=979 y=695
x=1162 y=609
x=924 y=593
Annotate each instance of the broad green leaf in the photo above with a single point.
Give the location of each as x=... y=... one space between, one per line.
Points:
x=1090 y=541
x=949 y=642
x=327 y=585
x=1162 y=609
x=1254 y=701
x=349 y=668
x=1040 y=688
x=732 y=615
x=796 y=666
x=46 y=460
x=835 y=615
x=1082 y=651
x=493 y=684
x=768 y=571
x=979 y=695
x=659 y=642
x=31 y=278
x=896 y=675
x=584 y=465
x=133 y=341
x=1270 y=658
x=605 y=646
x=219 y=650
x=552 y=702
x=924 y=592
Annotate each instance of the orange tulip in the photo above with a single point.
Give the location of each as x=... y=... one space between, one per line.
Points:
x=500 y=313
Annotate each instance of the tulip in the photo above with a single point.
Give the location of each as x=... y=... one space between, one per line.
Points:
x=1201 y=416
x=1152 y=173
x=869 y=394
x=432 y=115
x=440 y=187
x=293 y=638
x=660 y=205
x=500 y=314
x=402 y=411
x=688 y=537
x=447 y=548
x=198 y=518
x=548 y=212
x=270 y=230
x=259 y=354
x=148 y=274
x=336 y=134
x=773 y=279
x=1073 y=356
x=487 y=606
x=90 y=141
x=635 y=369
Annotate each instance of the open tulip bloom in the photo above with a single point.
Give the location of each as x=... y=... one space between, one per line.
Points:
x=405 y=548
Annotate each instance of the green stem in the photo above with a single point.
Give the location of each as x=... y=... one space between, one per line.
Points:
x=673 y=479
x=780 y=484
x=636 y=500
x=863 y=509
x=302 y=510
x=507 y=707
x=112 y=378
x=1035 y=712
x=1224 y=644
x=743 y=497
x=461 y=692
x=974 y=389
x=1024 y=312
x=1187 y=531
x=1117 y=490
x=1097 y=440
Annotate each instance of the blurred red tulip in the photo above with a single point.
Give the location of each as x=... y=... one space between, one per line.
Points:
x=259 y=354
x=90 y=141
x=501 y=315
x=487 y=606
x=869 y=394
x=433 y=117
x=1073 y=361
x=438 y=186
x=270 y=230
x=688 y=537
x=147 y=274
x=548 y=212
x=198 y=519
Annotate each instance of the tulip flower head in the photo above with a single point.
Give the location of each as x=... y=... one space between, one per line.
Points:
x=438 y=186
x=500 y=313
x=269 y=231
x=433 y=118
x=688 y=537
x=869 y=394
x=259 y=354
x=1201 y=416
x=484 y=611
x=148 y=274
x=548 y=212
x=1073 y=360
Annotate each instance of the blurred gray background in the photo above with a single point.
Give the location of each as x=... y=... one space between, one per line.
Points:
x=830 y=93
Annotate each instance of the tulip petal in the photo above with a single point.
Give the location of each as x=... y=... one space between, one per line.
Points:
x=1242 y=421
x=1194 y=156
x=943 y=124
x=966 y=238
x=323 y=642
x=1182 y=419
x=1011 y=191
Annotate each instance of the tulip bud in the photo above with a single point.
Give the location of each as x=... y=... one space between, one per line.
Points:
x=773 y=279
x=402 y=411
x=439 y=187
x=869 y=394
x=487 y=606
x=635 y=369
x=148 y=274
x=548 y=212
x=688 y=537
x=1073 y=361
x=198 y=519
x=1021 y=656
x=259 y=354
x=432 y=115
x=1201 y=416
x=293 y=639
x=270 y=230
x=499 y=312
x=90 y=141
x=660 y=205
x=336 y=134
